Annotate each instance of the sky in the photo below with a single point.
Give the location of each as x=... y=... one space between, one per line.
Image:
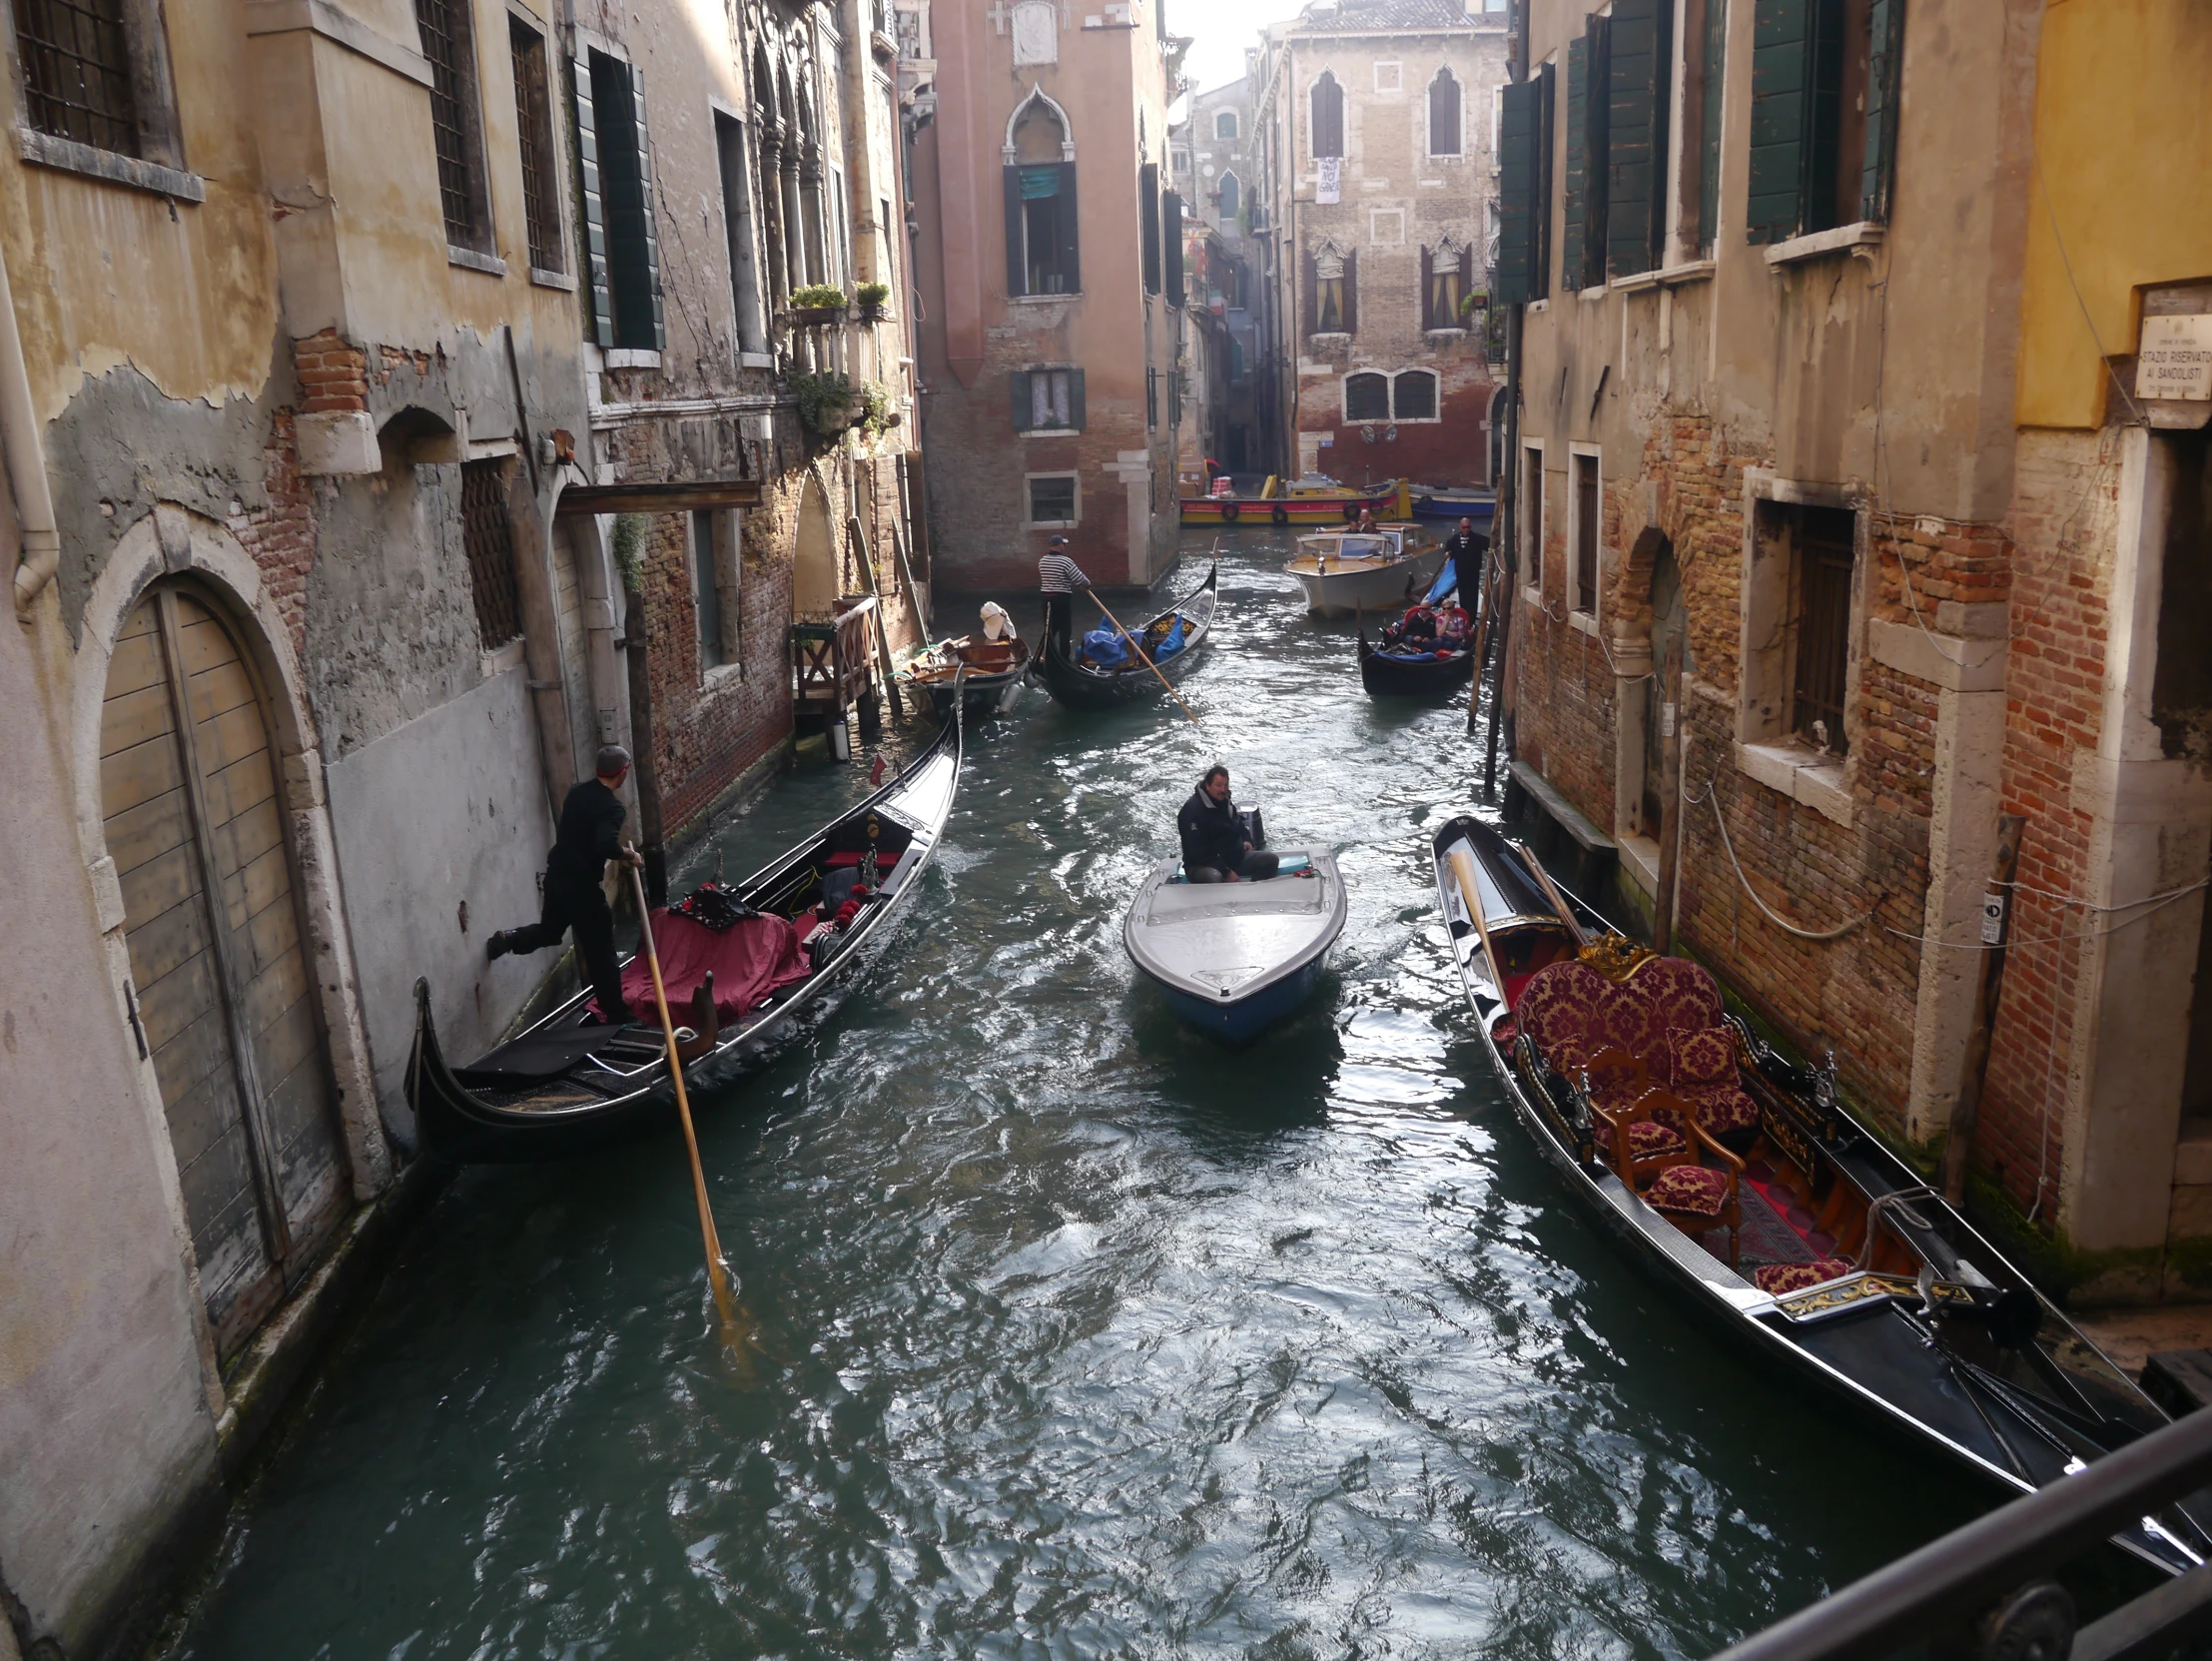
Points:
x=1223 y=28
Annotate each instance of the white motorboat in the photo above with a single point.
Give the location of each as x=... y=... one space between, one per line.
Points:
x=1235 y=958
x=1347 y=572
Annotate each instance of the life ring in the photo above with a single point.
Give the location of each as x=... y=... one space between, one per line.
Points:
x=1351 y=513
x=1280 y=514
x=1230 y=511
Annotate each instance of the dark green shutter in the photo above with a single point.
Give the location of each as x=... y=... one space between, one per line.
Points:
x=1547 y=167
x=1582 y=263
x=1429 y=319
x=1018 y=384
x=650 y=221
x=1351 y=292
x=1887 y=42
x=625 y=183
x=1715 y=72
x=1147 y=214
x=592 y=221
x=1638 y=56
x=1517 y=194
x=1071 y=245
x=1170 y=241
x=1075 y=399
x=1017 y=277
x=1783 y=34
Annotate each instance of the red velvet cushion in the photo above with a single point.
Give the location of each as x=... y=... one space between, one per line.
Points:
x=1704 y=1056
x=1558 y=1009
x=1695 y=1189
x=1681 y=994
x=1724 y=1108
x=1648 y=1139
x=1784 y=1279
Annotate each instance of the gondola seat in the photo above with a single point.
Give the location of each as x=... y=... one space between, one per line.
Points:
x=1690 y=1193
x=1700 y=1066
x=1559 y=1008
x=1613 y=1082
x=1781 y=1279
x=1681 y=994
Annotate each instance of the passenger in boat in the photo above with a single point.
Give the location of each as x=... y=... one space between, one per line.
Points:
x=1059 y=578
x=1366 y=525
x=1463 y=554
x=1212 y=832
x=590 y=835
x=997 y=624
x=1452 y=628
x=1415 y=631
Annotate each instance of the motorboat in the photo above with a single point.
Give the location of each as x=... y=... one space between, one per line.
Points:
x=1233 y=958
x=1350 y=571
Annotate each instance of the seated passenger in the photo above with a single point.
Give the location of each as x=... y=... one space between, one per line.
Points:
x=1214 y=845
x=1453 y=632
x=1419 y=632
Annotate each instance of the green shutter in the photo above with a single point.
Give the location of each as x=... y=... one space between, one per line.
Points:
x=1071 y=244
x=1018 y=384
x=1017 y=277
x=1148 y=218
x=1351 y=292
x=1170 y=245
x=1547 y=180
x=651 y=220
x=1075 y=399
x=1886 y=43
x=1715 y=72
x=1582 y=263
x=1518 y=184
x=592 y=222
x=1782 y=118
x=1639 y=57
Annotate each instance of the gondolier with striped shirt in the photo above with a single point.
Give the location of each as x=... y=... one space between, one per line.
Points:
x=1060 y=579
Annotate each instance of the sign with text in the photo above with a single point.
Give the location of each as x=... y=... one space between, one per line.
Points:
x=2176 y=357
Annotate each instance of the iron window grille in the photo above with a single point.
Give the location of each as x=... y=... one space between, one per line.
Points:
x=446 y=43
x=489 y=540
x=1823 y=540
x=1413 y=396
x=1586 y=534
x=1052 y=499
x=533 y=114
x=76 y=71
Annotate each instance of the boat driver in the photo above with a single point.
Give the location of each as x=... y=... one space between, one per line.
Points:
x=1212 y=832
x=589 y=836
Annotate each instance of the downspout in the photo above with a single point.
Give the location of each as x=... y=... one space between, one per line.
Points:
x=34 y=501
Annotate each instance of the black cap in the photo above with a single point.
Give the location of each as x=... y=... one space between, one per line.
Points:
x=1057 y=543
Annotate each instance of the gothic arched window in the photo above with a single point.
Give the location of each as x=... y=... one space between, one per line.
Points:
x=1327 y=125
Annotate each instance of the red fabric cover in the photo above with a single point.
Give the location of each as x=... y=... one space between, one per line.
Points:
x=755 y=958
x=1724 y=1108
x=1706 y=1057
x=1648 y=1138
x=1784 y=1279
x=1615 y=1088
x=851 y=856
x=1626 y=1017
x=1695 y=1189
x=1681 y=994
x=1558 y=1007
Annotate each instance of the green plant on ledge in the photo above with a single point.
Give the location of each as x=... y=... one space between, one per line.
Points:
x=818 y=297
x=877 y=414
x=873 y=296
x=823 y=401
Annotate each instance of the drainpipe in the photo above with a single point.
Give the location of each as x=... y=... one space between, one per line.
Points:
x=34 y=501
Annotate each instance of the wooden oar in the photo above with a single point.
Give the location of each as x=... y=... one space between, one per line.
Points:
x=718 y=1274
x=1463 y=868
x=1141 y=657
x=1551 y=893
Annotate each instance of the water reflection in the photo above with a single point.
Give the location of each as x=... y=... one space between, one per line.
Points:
x=1076 y=1334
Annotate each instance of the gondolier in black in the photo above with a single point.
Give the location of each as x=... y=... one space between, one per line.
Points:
x=1463 y=555
x=1214 y=848
x=590 y=835
x=1060 y=579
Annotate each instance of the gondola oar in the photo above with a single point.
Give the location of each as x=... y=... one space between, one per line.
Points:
x=718 y=1274
x=1141 y=657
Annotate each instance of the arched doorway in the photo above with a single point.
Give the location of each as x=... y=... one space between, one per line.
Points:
x=814 y=585
x=194 y=818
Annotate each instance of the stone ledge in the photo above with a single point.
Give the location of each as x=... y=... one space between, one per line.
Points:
x=68 y=155
x=1564 y=813
x=1844 y=237
x=1954 y=664
x=1790 y=770
x=338 y=441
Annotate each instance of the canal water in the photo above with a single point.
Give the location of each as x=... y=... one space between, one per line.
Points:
x=1072 y=1334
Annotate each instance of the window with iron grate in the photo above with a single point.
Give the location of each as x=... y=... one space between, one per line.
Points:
x=76 y=71
x=1823 y=540
x=450 y=48
x=489 y=540
x=533 y=118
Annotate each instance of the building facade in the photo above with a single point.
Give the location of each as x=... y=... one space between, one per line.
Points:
x=1216 y=165
x=1378 y=121
x=1047 y=250
x=1791 y=418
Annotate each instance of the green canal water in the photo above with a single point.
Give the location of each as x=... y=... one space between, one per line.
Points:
x=1073 y=1333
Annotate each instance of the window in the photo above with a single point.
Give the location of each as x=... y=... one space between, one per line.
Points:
x=1327 y=126
x=1444 y=115
x=737 y=232
x=1170 y=246
x=77 y=80
x=1048 y=401
x=1224 y=125
x=885 y=265
x=1821 y=539
x=706 y=587
x=534 y=124
x=1824 y=115
x=451 y=50
x=1582 y=237
x=1532 y=514
x=1040 y=206
x=1228 y=197
x=1147 y=214
x=1330 y=287
x=1443 y=281
x=1055 y=500
x=1180 y=164
x=1705 y=54
x=1525 y=188
x=1584 y=508
x=1638 y=94
x=1366 y=398
x=843 y=271
x=487 y=538
x=624 y=279
x=1413 y=397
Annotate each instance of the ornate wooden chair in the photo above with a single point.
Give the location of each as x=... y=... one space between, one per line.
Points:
x=1690 y=1193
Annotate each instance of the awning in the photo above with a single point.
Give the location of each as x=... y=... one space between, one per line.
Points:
x=672 y=497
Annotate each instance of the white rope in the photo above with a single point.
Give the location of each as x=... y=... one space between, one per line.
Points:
x=1772 y=916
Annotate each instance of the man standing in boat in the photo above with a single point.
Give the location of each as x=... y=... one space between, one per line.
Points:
x=1214 y=845
x=590 y=835
x=1060 y=579
x=1463 y=555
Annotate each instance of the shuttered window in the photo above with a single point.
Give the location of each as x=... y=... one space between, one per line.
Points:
x=1639 y=83
x=1444 y=115
x=1809 y=71
x=1042 y=250
x=1581 y=250
x=1885 y=42
x=1147 y=211
x=1517 y=202
x=1170 y=246
x=1325 y=126
x=1048 y=400
x=1712 y=86
x=621 y=242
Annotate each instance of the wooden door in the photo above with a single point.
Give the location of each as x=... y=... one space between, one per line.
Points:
x=195 y=823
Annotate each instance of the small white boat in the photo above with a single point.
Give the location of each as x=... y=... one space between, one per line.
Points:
x=1347 y=572
x=1236 y=957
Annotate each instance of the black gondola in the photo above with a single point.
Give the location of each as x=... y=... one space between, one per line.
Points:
x=1084 y=688
x=566 y=1086
x=1876 y=1295
x=1385 y=676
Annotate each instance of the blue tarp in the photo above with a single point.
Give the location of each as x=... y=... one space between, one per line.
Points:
x=1103 y=647
x=1171 y=642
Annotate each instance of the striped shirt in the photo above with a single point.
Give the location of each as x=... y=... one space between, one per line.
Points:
x=1058 y=575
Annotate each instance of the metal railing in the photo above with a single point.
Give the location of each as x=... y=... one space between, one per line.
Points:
x=1987 y=1581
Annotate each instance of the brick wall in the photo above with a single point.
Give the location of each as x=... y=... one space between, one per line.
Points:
x=281 y=536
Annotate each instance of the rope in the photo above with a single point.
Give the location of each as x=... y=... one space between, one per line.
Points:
x=1780 y=922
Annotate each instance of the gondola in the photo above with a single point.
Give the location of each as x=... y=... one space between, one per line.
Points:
x=990 y=673
x=1738 y=1180
x=565 y=1085
x=1081 y=687
x=1429 y=675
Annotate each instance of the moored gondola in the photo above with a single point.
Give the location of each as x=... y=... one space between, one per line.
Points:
x=566 y=1085
x=1080 y=686
x=989 y=672
x=1738 y=1179
x=1388 y=675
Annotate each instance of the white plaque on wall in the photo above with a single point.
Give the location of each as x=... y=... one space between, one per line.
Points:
x=2176 y=357
x=1035 y=33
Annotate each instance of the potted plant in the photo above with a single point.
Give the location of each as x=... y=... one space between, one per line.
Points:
x=818 y=302
x=872 y=297
x=826 y=402
x=1470 y=304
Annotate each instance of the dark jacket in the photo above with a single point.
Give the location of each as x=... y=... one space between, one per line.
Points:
x=1464 y=555
x=1212 y=833
x=590 y=834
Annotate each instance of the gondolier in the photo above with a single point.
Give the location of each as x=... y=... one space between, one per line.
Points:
x=1463 y=555
x=590 y=835
x=1060 y=579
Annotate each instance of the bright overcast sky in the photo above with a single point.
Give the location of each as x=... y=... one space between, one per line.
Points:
x=1223 y=29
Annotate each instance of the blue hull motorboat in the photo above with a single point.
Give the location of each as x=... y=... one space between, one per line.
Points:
x=1479 y=505
x=1233 y=959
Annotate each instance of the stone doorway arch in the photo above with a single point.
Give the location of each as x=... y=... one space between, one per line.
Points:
x=814 y=563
